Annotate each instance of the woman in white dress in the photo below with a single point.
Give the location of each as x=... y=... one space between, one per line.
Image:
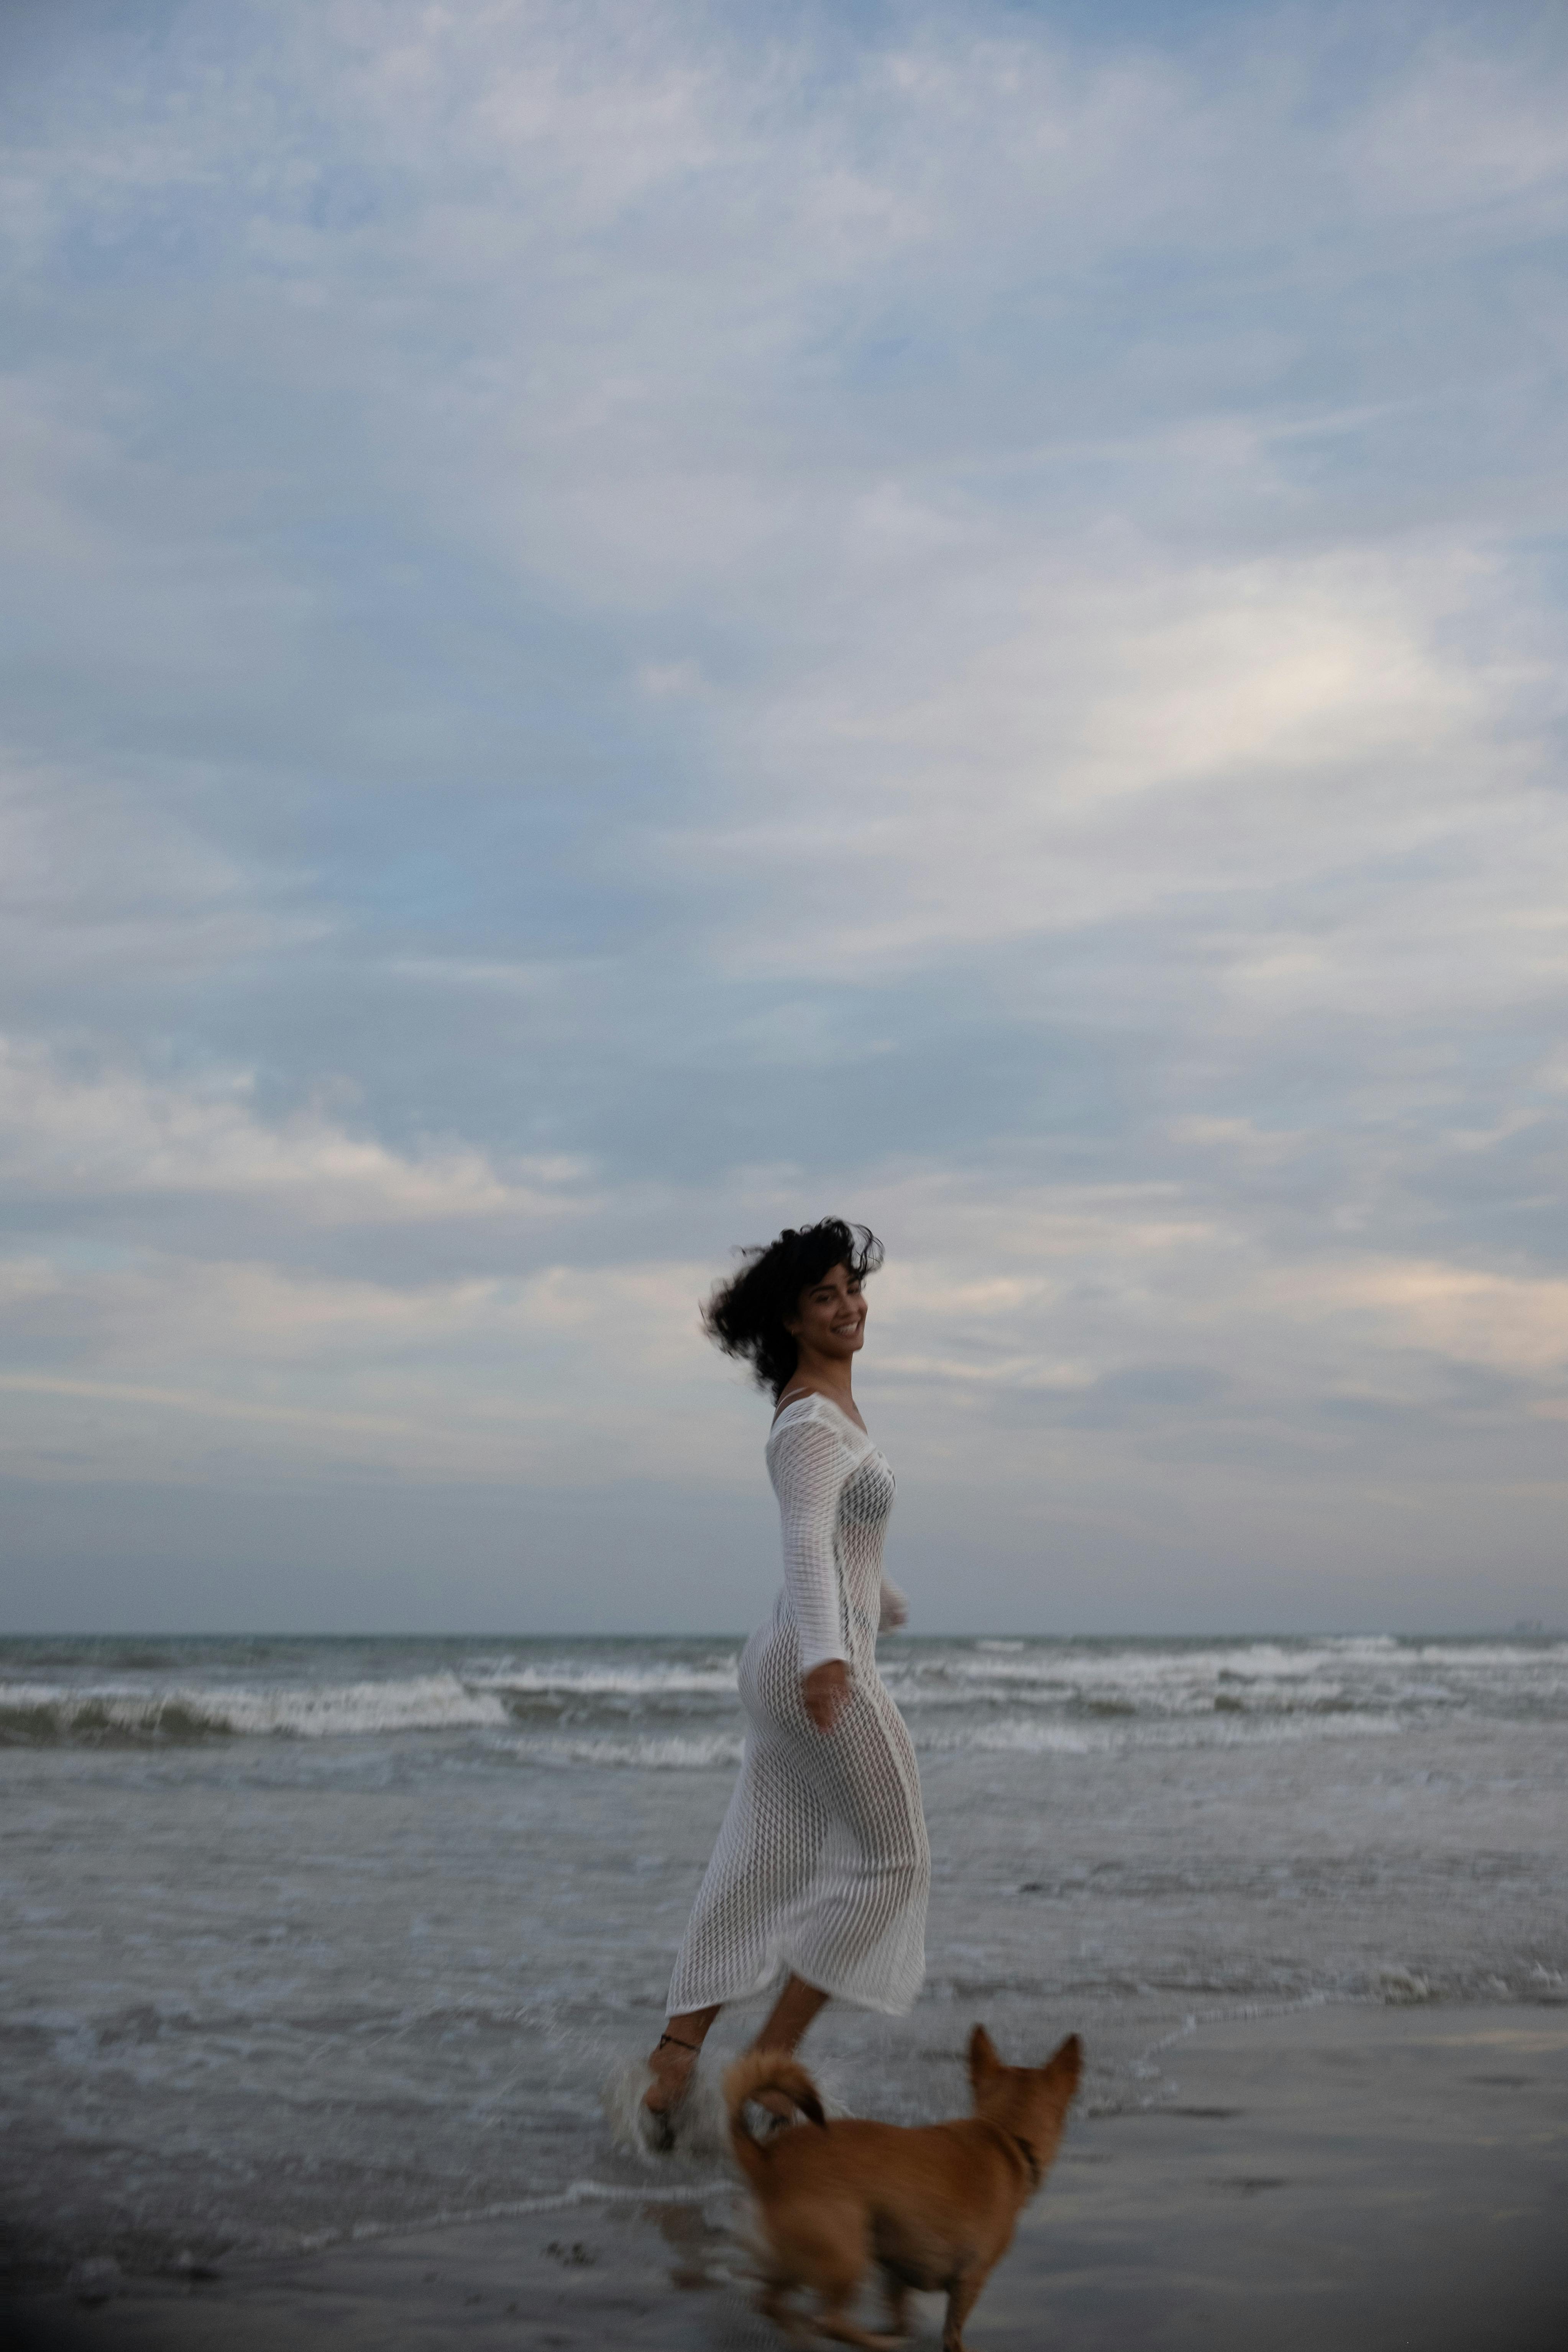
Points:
x=822 y=1866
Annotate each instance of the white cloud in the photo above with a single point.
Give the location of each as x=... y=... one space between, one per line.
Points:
x=1137 y=738
x=992 y=1300
x=1465 y=132
x=97 y=887
x=166 y=1367
x=1463 y=1315
x=119 y=1134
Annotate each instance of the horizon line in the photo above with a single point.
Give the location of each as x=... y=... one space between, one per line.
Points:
x=1521 y=1629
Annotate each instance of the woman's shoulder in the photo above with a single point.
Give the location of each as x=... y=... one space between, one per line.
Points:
x=811 y=1408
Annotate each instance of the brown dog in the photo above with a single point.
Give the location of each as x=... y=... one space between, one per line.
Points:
x=934 y=2208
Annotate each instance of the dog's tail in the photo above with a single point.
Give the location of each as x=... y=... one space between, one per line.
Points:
x=748 y=2078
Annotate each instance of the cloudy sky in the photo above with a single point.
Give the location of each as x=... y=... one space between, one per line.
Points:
x=627 y=624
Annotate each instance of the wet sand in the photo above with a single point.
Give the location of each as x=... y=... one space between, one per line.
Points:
x=1360 y=2178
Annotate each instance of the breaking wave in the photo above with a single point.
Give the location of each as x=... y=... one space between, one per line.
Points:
x=674 y=1706
x=38 y=1712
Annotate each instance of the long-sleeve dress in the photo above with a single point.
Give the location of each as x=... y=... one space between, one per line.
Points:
x=822 y=1865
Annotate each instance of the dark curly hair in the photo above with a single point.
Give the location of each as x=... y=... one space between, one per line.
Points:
x=746 y=1315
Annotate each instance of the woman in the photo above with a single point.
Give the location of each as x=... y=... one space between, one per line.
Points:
x=822 y=1863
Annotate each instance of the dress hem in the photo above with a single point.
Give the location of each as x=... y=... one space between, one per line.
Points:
x=773 y=1980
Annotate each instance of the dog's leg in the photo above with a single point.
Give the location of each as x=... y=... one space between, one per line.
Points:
x=774 y=2303
x=843 y=2330
x=837 y=2282
x=896 y=2296
x=962 y=2294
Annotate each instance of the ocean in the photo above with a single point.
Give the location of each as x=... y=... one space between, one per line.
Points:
x=306 y=1939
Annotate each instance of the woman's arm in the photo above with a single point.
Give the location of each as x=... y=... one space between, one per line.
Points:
x=895 y=1610
x=807 y=1464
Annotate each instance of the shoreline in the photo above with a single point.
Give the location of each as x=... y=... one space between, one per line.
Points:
x=1348 y=2173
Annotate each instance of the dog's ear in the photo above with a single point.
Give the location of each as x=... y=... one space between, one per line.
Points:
x=1065 y=2066
x=982 y=2058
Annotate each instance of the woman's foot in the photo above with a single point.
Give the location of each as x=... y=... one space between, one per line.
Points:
x=672 y=2063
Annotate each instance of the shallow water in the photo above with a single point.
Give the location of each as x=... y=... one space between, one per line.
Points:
x=307 y=1937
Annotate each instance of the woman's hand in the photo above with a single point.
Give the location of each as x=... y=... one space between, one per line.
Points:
x=825 y=1691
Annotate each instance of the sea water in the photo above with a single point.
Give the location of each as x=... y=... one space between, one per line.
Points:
x=309 y=1938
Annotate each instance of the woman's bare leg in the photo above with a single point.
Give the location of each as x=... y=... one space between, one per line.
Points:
x=672 y=2062
x=786 y=2020
x=791 y=2014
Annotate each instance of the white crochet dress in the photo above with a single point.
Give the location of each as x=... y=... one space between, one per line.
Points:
x=822 y=1865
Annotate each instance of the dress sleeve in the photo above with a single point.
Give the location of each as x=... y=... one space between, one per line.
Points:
x=807 y=1464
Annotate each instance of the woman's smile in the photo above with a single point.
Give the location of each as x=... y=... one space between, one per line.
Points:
x=831 y=1318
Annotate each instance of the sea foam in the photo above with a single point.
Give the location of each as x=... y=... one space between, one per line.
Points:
x=44 y=1712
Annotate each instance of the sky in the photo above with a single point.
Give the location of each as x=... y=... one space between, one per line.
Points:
x=624 y=624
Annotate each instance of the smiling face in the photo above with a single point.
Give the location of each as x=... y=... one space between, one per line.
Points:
x=830 y=1317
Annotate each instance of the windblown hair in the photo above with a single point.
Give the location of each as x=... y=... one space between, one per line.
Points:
x=746 y=1315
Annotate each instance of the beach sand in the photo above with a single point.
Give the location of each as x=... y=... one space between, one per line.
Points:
x=1358 y=2178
